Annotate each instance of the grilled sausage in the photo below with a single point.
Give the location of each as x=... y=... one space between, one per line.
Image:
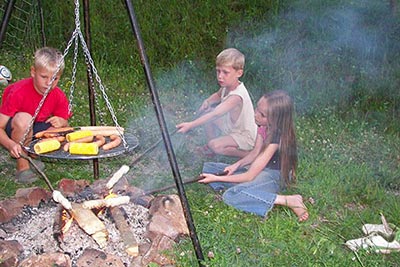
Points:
x=115 y=140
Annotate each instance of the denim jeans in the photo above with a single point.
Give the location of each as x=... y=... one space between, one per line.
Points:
x=257 y=196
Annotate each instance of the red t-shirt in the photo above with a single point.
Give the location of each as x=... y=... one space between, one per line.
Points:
x=22 y=97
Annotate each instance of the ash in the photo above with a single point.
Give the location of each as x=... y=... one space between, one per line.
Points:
x=33 y=229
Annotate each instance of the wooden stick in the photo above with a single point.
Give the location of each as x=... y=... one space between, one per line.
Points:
x=131 y=245
x=148 y=150
x=183 y=182
x=39 y=171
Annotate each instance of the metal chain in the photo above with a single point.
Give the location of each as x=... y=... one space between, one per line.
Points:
x=102 y=89
x=89 y=58
x=73 y=77
x=96 y=100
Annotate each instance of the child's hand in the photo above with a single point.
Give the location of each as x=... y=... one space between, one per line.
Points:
x=15 y=150
x=205 y=107
x=207 y=178
x=57 y=122
x=184 y=127
x=231 y=168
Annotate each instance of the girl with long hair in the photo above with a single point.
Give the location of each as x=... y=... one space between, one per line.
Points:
x=273 y=163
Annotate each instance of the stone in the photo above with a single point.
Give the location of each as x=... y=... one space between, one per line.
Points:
x=32 y=196
x=93 y=257
x=47 y=260
x=9 y=252
x=69 y=187
x=160 y=252
x=9 y=209
x=167 y=218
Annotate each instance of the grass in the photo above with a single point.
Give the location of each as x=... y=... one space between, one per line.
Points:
x=346 y=93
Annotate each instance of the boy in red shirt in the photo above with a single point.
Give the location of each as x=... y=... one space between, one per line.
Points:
x=20 y=102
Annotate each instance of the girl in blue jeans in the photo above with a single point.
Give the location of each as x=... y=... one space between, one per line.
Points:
x=272 y=163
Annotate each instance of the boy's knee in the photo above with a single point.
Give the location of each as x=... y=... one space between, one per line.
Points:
x=215 y=146
x=21 y=120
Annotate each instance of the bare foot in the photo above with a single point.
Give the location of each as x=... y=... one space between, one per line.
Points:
x=295 y=203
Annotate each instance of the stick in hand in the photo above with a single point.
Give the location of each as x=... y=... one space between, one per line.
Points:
x=183 y=182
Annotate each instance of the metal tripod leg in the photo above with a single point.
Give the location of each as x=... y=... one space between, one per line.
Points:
x=164 y=132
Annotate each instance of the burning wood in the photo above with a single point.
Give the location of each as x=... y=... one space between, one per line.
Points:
x=120 y=219
x=85 y=218
x=90 y=223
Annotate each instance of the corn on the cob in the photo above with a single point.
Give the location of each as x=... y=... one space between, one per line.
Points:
x=83 y=148
x=78 y=135
x=46 y=146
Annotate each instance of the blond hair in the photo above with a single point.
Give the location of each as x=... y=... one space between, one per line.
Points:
x=49 y=58
x=231 y=57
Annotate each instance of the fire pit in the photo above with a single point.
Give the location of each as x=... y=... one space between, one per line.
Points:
x=34 y=229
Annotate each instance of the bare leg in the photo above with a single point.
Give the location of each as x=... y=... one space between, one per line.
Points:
x=19 y=125
x=226 y=145
x=295 y=203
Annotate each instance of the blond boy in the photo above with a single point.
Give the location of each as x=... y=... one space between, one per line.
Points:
x=20 y=102
x=233 y=115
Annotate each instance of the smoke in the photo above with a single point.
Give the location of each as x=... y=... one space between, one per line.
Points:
x=323 y=53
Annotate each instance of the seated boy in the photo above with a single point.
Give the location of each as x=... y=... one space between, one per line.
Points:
x=21 y=100
x=233 y=115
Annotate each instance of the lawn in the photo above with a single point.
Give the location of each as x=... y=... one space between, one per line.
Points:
x=339 y=60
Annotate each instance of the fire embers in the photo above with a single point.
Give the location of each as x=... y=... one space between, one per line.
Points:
x=86 y=215
x=87 y=221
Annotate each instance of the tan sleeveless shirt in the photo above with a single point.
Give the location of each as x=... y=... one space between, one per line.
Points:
x=244 y=130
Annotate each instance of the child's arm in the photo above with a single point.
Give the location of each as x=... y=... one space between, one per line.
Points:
x=256 y=167
x=226 y=106
x=249 y=158
x=210 y=101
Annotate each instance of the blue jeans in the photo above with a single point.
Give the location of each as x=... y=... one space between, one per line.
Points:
x=257 y=196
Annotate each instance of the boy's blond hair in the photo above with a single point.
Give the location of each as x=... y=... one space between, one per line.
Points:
x=49 y=58
x=231 y=57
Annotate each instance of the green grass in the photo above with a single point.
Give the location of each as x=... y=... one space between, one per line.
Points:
x=346 y=95
x=345 y=193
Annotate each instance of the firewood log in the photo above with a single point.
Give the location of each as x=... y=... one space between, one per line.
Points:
x=90 y=223
x=131 y=245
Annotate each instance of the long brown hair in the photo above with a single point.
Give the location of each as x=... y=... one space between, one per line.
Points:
x=280 y=115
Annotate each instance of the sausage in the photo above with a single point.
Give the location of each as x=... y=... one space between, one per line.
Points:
x=58 y=138
x=115 y=140
x=53 y=130
x=99 y=140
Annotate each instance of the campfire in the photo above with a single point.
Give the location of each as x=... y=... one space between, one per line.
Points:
x=107 y=223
